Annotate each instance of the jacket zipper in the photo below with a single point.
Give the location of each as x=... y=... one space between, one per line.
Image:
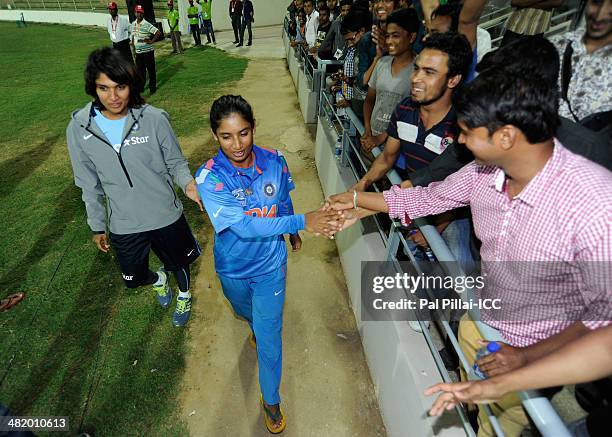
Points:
x=173 y=193
x=127 y=175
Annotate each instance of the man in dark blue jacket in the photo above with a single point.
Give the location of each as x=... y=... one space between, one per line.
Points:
x=248 y=17
x=235 y=13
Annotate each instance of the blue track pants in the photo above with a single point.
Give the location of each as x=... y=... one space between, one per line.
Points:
x=260 y=301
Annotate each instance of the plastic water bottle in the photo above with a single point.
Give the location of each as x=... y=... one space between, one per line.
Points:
x=483 y=351
x=338 y=149
x=430 y=255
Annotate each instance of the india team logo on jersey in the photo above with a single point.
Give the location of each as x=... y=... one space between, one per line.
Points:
x=269 y=189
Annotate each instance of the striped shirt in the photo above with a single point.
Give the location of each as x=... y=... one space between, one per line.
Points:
x=529 y=21
x=140 y=32
x=563 y=218
x=420 y=146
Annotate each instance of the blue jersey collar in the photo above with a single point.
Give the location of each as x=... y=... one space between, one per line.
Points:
x=260 y=162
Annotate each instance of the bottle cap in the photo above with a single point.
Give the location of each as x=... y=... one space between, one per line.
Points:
x=493 y=347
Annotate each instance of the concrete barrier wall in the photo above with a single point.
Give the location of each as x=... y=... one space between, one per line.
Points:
x=267 y=13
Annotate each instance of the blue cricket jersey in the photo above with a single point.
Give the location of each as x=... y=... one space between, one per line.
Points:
x=250 y=209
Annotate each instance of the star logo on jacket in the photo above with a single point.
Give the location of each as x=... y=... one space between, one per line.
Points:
x=269 y=189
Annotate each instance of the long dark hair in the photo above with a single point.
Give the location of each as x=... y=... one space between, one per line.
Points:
x=224 y=106
x=112 y=63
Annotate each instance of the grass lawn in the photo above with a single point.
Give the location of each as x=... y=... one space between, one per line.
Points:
x=81 y=345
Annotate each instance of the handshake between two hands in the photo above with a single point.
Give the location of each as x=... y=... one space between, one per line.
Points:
x=336 y=214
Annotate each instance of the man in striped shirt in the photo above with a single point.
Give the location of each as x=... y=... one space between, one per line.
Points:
x=542 y=213
x=144 y=34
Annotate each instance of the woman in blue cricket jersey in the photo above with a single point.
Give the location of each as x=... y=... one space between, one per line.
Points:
x=245 y=189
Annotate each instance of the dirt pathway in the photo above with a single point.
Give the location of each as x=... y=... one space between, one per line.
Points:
x=326 y=387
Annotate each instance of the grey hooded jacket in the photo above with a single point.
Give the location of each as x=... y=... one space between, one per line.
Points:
x=133 y=187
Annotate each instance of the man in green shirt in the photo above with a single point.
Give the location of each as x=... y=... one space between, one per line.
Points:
x=207 y=26
x=194 y=23
x=144 y=34
x=175 y=33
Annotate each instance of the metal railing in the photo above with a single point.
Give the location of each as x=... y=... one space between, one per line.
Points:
x=348 y=129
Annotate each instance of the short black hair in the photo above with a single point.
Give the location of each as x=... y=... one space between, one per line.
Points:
x=346 y=3
x=451 y=10
x=226 y=105
x=496 y=99
x=457 y=48
x=308 y=1
x=324 y=8
x=118 y=69
x=355 y=20
x=524 y=57
x=362 y=4
x=406 y=18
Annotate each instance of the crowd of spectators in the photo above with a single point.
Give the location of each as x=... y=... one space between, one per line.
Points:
x=495 y=142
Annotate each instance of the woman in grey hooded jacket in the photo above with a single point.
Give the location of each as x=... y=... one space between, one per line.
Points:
x=126 y=160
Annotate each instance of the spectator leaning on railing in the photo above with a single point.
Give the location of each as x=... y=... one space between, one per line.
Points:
x=312 y=22
x=323 y=29
x=390 y=81
x=293 y=9
x=533 y=202
x=299 y=38
x=423 y=125
x=371 y=48
x=354 y=26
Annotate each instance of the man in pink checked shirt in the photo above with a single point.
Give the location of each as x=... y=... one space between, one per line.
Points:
x=533 y=202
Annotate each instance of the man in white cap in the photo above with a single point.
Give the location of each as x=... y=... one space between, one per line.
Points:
x=118 y=29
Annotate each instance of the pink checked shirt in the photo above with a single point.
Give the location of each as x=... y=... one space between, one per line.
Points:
x=557 y=232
